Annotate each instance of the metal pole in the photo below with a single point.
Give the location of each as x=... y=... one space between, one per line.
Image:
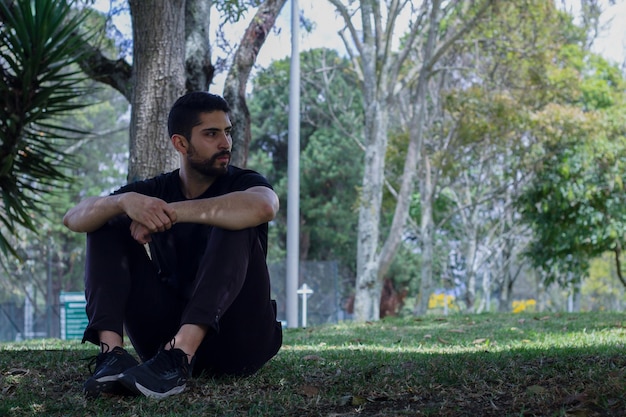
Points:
x=49 y=288
x=293 y=174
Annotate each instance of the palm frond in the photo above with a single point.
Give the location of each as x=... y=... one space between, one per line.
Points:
x=39 y=82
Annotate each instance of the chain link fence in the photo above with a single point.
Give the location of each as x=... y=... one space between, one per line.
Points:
x=22 y=321
x=331 y=289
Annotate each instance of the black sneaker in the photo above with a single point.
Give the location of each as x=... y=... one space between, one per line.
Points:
x=164 y=375
x=109 y=367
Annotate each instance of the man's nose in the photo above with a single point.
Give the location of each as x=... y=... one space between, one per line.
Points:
x=225 y=141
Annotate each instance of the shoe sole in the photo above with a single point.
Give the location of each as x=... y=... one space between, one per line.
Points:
x=105 y=385
x=131 y=384
x=158 y=395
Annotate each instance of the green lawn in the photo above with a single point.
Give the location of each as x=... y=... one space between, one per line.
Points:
x=478 y=365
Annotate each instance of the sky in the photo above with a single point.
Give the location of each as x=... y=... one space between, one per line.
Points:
x=611 y=42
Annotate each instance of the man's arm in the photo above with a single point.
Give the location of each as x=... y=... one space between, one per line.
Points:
x=234 y=211
x=93 y=212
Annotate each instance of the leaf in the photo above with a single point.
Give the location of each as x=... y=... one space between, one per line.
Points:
x=309 y=390
x=536 y=390
x=358 y=400
x=353 y=400
x=576 y=398
x=479 y=341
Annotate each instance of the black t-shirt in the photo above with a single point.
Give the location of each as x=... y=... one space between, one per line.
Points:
x=178 y=251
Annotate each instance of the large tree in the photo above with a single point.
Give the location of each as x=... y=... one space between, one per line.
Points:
x=171 y=54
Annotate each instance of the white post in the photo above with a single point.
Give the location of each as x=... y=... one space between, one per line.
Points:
x=304 y=291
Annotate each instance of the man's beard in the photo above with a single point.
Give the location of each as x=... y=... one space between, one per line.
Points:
x=207 y=167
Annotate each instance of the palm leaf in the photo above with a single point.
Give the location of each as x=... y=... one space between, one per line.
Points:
x=39 y=82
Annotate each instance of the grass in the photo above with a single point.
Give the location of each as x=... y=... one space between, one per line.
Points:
x=478 y=365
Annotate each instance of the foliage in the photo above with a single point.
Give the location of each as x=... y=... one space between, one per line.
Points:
x=528 y=84
x=602 y=291
x=330 y=164
x=99 y=166
x=460 y=365
x=234 y=10
x=38 y=52
x=575 y=202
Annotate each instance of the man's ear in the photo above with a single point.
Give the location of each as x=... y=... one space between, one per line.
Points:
x=180 y=143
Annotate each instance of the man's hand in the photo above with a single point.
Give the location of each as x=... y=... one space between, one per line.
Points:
x=154 y=214
x=140 y=233
x=93 y=212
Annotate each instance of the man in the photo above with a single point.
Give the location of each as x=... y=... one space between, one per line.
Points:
x=199 y=299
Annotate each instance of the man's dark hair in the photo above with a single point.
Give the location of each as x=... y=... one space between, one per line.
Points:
x=185 y=113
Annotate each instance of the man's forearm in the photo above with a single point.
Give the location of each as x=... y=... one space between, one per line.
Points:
x=92 y=213
x=234 y=211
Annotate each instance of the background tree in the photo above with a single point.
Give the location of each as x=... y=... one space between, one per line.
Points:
x=575 y=201
x=331 y=122
x=493 y=83
x=382 y=72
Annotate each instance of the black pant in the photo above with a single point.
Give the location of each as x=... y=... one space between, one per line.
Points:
x=230 y=294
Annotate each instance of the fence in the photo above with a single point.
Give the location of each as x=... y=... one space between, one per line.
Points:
x=20 y=322
x=325 y=304
x=331 y=288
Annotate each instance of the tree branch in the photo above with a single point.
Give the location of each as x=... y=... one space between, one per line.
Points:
x=116 y=73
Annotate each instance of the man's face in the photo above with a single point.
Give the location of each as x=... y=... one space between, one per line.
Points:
x=210 y=144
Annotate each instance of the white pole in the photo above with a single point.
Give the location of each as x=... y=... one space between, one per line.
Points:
x=293 y=175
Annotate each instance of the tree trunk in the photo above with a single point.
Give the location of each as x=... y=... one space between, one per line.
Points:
x=198 y=64
x=417 y=126
x=237 y=78
x=368 y=284
x=470 y=258
x=504 y=298
x=159 y=79
x=426 y=234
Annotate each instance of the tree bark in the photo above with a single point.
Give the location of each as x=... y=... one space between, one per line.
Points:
x=427 y=243
x=115 y=73
x=159 y=79
x=199 y=70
